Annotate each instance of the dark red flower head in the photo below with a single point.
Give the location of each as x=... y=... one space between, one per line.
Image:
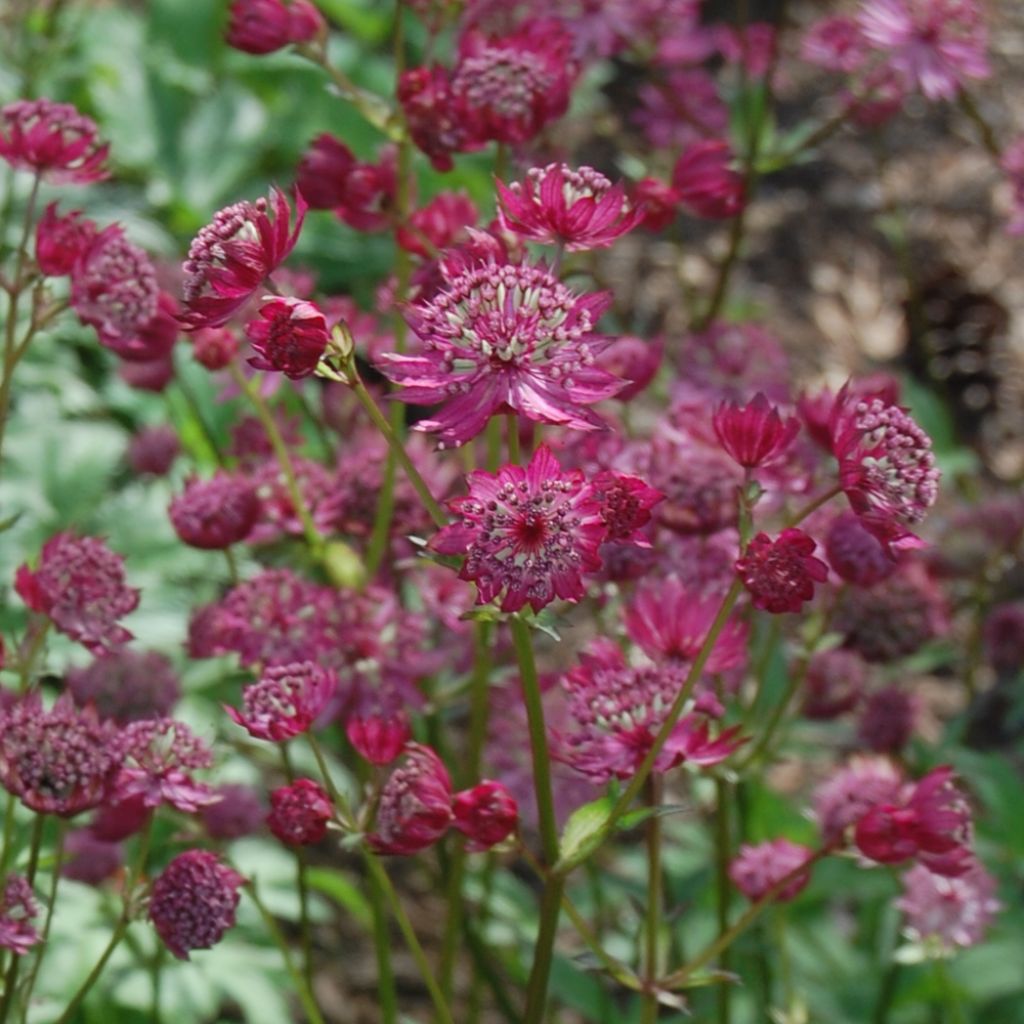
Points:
x=263 y=26
x=855 y=553
x=299 y=813
x=152 y=451
x=378 y=739
x=438 y=119
x=705 y=182
x=215 y=347
x=487 y=814
x=52 y=139
x=415 y=807
x=61 y=240
x=438 y=225
x=126 y=685
x=361 y=194
x=657 y=202
x=18 y=908
x=756 y=869
x=887 y=720
x=153 y=340
x=290 y=337
x=780 y=574
x=216 y=513
x=193 y=902
x=834 y=683
x=626 y=503
x=755 y=433
x=285 y=701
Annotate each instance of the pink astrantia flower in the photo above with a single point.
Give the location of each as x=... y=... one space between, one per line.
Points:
x=263 y=26
x=705 y=182
x=755 y=433
x=438 y=225
x=834 y=43
x=1012 y=163
x=216 y=513
x=934 y=45
x=577 y=209
x=231 y=257
x=626 y=503
x=886 y=465
x=952 y=912
x=504 y=337
x=52 y=139
x=616 y=711
x=855 y=553
x=18 y=908
x=330 y=177
x=780 y=574
x=62 y=760
x=153 y=450
x=834 y=683
x=931 y=822
x=289 y=337
x=487 y=815
x=376 y=738
x=415 y=808
x=285 y=701
x=80 y=586
x=756 y=869
x=300 y=812
x=126 y=685
x=150 y=341
x=193 y=902
x=861 y=784
x=61 y=240
x=529 y=534
x=887 y=720
x=114 y=288
x=438 y=118
x=160 y=756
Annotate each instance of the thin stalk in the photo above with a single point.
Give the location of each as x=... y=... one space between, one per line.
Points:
x=11 y=979
x=812 y=506
x=284 y=459
x=453 y=921
x=347 y=818
x=512 y=426
x=655 y=898
x=886 y=993
x=386 y=992
x=58 y=863
x=493 y=439
x=303 y=887
x=723 y=891
x=197 y=414
x=37 y=632
x=8 y=835
x=302 y=990
x=543 y=950
x=988 y=136
x=232 y=564
x=409 y=934
x=156 y=973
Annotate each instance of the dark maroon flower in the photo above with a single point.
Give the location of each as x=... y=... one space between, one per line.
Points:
x=61 y=240
x=263 y=26
x=62 y=760
x=290 y=337
x=626 y=503
x=285 y=702
x=116 y=819
x=361 y=194
x=52 y=139
x=834 y=683
x=755 y=433
x=238 y=812
x=415 y=807
x=438 y=225
x=438 y=119
x=153 y=375
x=215 y=347
x=193 y=902
x=755 y=869
x=80 y=586
x=152 y=451
x=114 y=289
x=126 y=685
x=855 y=553
x=153 y=340
x=299 y=813
x=231 y=257
x=705 y=183
x=487 y=814
x=657 y=201
x=89 y=860
x=887 y=720
x=216 y=513
x=780 y=574
x=18 y=908
x=376 y=738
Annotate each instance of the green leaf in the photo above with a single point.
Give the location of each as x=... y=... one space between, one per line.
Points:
x=581 y=832
x=340 y=888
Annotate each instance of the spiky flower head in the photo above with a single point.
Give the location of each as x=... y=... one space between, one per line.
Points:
x=528 y=534
x=231 y=257
x=61 y=239
x=60 y=760
x=238 y=811
x=949 y=912
x=18 y=908
x=503 y=336
x=855 y=553
x=152 y=451
x=626 y=503
x=487 y=815
x=264 y=26
x=126 y=685
x=80 y=586
x=705 y=183
x=216 y=513
x=415 y=808
x=780 y=573
x=842 y=800
x=378 y=739
x=299 y=813
x=755 y=433
x=834 y=683
x=887 y=719
x=290 y=337
x=757 y=869
x=193 y=902
x=52 y=139
x=285 y=701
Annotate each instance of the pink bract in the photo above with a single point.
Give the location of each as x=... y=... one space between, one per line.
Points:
x=53 y=140
x=415 y=807
x=290 y=336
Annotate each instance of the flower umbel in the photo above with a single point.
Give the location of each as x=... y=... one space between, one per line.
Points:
x=780 y=574
x=415 y=807
x=52 y=139
x=18 y=908
x=285 y=702
x=290 y=337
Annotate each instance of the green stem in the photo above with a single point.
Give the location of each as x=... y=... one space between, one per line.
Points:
x=512 y=426
x=386 y=992
x=232 y=564
x=405 y=926
x=347 y=818
x=723 y=890
x=58 y=863
x=652 y=919
x=543 y=950
x=284 y=460
x=813 y=505
x=8 y=835
x=156 y=972
x=197 y=414
x=302 y=989
x=303 y=887
x=886 y=993
x=988 y=136
x=11 y=979
x=38 y=630
x=453 y=921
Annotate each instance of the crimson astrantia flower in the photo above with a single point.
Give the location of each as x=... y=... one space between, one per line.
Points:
x=216 y=513
x=755 y=433
x=160 y=756
x=378 y=739
x=285 y=701
x=151 y=341
x=633 y=360
x=215 y=347
x=860 y=785
x=117 y=819
x=669 y=623
x=331 y=178
x=299 y=813
x=193 y=902
x=755 y=869
x=487 y=815
x=61 y=240
x=415 y=806
x=886 y=465
x=113 y=287
x=80 y=586
x=238 y=812
x=153 y=375
x=62 y=760
x=855 y=553
x=263 y=26
x=529 y=534
x=626 y=503
x=231 y=257
x=1004 y=638
x=89 y=860
x=780 y=574
x=705 y=182
x=933 y=45
x=52 y=139
x=504 y=337
x=438 y=120
x=578 y=209
x=126 y=685
x=152 y=451
x=290 y=336
x=514 y=85
x=18 y=908
x=616 y=710
x=949 y=911
x=657 y=202
x=438 y=225
x=930 y=822
x=834 y=43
